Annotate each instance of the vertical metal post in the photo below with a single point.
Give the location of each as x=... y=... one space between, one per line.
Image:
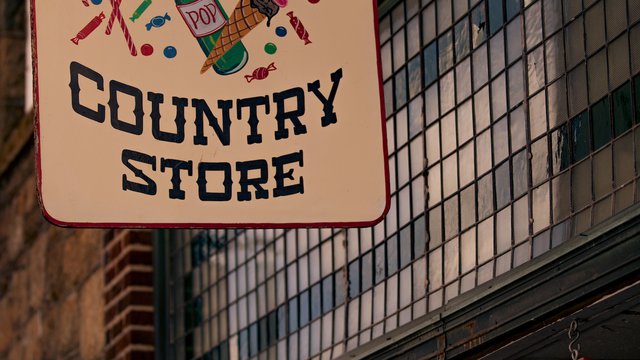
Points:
x=160 y=285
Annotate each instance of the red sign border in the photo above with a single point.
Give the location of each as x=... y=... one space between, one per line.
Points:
x=51 y=219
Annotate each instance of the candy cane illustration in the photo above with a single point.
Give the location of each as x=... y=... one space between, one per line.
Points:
x=115 y=13
x=112 y=17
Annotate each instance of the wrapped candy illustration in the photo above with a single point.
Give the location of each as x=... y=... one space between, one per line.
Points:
x=303 y=34
x=260 y=73
x=158 y=21
x=89 y=28
x=141 y=9
x=246 y=16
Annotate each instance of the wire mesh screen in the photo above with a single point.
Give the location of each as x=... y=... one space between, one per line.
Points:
x=512 y=127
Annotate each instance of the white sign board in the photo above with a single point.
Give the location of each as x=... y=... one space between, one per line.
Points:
x=209 y=113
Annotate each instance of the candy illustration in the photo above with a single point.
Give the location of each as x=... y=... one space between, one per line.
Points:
x=96 y=2
x=260 y=73
x=303 y=34
x=247 y=15
x=314 y=1
x=88 y=29
x=281 y=3
x=146 y=49
x=270 y=48
x=170 y=52
x=115 y=13
x=281 y=31
x=141 y=9
x=158 y=21
x=85 y=2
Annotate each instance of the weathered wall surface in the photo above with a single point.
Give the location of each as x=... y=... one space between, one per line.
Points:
x=64 y=293
x=51 y=279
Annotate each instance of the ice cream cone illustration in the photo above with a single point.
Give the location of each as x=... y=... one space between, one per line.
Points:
x=246 y=16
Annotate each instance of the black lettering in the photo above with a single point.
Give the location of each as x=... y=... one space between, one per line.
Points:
x=252 y=104
x=180 y=104
x=76 y=70
x=223 y=133
x=281 y=175
x=116 y=87
x=293 y=115
x=205 y=167
x=244 y=167
x=176 y=192
x=149 y=187
x=329 y=116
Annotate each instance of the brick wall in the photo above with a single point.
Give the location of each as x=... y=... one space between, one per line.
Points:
x=64 y=293
x=129 y=295
x=51 y=282
x=12 y=59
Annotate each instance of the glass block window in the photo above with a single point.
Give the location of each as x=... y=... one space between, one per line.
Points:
x=512 y=127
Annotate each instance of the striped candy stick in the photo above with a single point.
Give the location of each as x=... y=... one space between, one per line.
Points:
x=112 y=17
x=117 y=14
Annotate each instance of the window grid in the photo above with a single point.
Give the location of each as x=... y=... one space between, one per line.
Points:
x=501 y=146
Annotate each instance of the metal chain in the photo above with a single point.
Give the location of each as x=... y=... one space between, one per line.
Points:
x=574 y=334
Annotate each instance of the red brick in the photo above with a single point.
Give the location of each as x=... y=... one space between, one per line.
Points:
x=112 y=253
x=141 y=237
x=133 y=257
x=140 y=318
x=137 y=337
x=136 y=257
x=115 y=330
x=132 y=298
x=110 y=274
x=132 y=278
x=139 y=355
x=108 y=237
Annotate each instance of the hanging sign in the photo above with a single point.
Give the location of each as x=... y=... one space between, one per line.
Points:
x=209 y=113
